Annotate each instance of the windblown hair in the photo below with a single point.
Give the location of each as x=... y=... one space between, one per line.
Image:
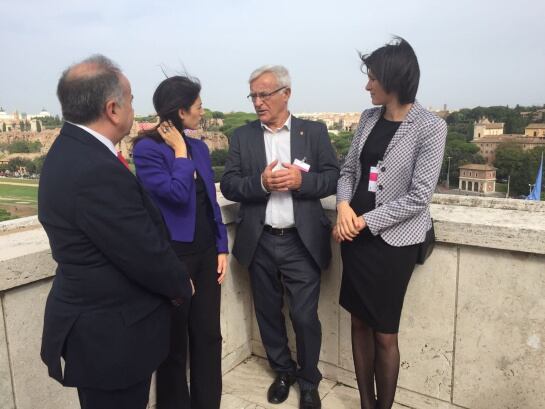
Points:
x=395 y=66
x=172 y=94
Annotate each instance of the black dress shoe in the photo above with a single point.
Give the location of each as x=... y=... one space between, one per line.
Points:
x=280 y=388
x=310 y=399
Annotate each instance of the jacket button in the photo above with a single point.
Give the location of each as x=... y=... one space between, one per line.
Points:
x=379 y=204
x=383 y=169
x=380 y=187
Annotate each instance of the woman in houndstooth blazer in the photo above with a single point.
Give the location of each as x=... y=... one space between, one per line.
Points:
x=383 y=197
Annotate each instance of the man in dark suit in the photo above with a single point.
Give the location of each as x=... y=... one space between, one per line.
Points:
x=278 y=168
x=108 y=311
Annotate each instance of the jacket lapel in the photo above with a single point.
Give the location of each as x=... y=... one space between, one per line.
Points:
x=297 y=139
x=257 y=146
x=367 y=128
x=405 y=126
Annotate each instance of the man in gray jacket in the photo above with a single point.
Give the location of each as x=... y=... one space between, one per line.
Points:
x=278 y=168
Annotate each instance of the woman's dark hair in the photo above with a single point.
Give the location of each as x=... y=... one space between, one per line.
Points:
x=395 y=66
x=172 y=94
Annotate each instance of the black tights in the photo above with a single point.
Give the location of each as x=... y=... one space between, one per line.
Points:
x=376 y=359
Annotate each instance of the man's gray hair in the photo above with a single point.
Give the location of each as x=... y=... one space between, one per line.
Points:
x=85 y=87
x=279 y=71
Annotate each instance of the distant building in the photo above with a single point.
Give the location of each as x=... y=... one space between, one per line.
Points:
x=477 y=178
x=486 y=128
x=4 y=116
x=12 y=122
x=535 y=130
x=42 y=114
x=441 y=112
x=334 y=120
x=537 y=115
x=489 y=144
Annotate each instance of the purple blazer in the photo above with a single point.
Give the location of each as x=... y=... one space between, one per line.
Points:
x=171 y=185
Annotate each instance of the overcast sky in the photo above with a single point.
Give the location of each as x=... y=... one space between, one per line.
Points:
x=471 y=52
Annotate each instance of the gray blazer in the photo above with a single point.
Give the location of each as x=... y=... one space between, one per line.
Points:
x=407 y=175
x=241 y=182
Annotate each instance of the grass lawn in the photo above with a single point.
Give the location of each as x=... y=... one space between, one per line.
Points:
x=18 y=201
x=11 y=193
x=19 y=180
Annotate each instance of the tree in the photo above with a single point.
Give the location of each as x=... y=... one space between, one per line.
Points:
x=50 y=122
x=38 y=164
x=15 y=163
x=218 y=115
x=3 y=127
x=460 y=153
x=341 y=142
x=521 y=166
x=24 y=147
x=514 y=123
x=234 y=120
x=38 y=126
x=4 y=215
x=218 y=157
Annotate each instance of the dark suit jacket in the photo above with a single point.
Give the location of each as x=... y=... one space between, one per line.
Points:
x=108 y=311
x=241 y=182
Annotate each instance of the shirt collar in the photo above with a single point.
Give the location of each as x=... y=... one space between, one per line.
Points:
x=108 y=143
x=287 y=125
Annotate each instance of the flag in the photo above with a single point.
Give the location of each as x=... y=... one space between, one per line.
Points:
x=535 y=194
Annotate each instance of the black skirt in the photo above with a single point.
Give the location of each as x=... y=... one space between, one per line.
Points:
x=375 y=279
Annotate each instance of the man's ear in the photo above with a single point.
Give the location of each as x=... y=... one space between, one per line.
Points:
x=111 y=111
x=288 y=92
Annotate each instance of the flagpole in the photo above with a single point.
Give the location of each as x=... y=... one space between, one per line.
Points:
x=535 y=192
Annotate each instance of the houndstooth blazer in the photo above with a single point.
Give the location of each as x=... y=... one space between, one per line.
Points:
x=407 y=175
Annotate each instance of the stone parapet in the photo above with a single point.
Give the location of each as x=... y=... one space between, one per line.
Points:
x=471 y=334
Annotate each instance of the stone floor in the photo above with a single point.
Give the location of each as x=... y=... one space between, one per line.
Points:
x=245 y=387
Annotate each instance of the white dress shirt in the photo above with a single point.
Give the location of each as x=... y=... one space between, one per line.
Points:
x=279 y=213
x=109 y=144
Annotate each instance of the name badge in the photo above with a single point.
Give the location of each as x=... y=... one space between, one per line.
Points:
x=301 y=165
x=373 y=176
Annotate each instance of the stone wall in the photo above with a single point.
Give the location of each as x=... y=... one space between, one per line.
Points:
x=46 y=137
x=473 y=323
x=26 y=270
x=472 y=328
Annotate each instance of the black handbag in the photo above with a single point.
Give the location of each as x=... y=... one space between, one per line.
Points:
x=426 y=248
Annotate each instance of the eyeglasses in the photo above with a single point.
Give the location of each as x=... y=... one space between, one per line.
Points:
x=264 y=96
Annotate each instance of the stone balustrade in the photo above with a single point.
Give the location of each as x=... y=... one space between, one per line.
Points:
x=472 y=330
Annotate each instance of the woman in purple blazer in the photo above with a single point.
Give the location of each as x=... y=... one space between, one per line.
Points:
x=177 y=173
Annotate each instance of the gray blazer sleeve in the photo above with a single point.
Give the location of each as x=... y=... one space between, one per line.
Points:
x=432 y=136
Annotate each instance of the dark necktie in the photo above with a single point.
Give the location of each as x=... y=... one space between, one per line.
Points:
x=122 y=159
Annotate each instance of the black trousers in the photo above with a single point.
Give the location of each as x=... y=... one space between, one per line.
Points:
x=134 y=397
x=198 y=322
x=283 y=262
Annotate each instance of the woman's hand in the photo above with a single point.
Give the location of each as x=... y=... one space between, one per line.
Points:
x=173 y=138
x=348 y=224
x=222 y=267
